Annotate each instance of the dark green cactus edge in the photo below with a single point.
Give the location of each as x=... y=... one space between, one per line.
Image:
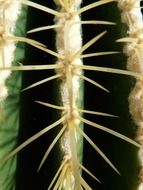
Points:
x=9 y=124
x=34 y=117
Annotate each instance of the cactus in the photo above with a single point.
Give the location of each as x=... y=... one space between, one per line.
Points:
x=79 y=51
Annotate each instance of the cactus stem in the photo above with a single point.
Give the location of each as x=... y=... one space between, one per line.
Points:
x=69 y=69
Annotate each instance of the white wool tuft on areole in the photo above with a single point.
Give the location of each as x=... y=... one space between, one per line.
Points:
x=9 y=10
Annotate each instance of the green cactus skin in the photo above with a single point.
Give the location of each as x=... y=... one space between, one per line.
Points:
x=10 y=109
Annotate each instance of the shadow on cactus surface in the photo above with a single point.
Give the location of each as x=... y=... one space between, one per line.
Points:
x=68 y=84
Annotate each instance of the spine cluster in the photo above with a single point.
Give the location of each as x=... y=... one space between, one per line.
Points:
x=132 y=17
x=68 y=42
